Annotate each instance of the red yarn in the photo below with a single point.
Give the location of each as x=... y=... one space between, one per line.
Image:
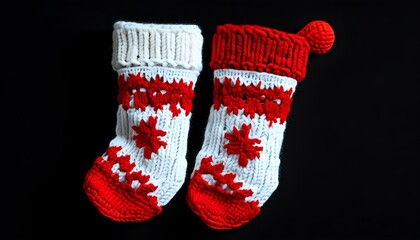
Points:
x=119 y=200
x=239 y=143
x=218 y=207
x=319 y=35
x=148 y=137
x=253 y=100
x=256 y=48
x=262 y=49
x=155 y=92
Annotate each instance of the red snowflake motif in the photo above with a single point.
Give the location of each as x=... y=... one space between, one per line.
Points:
x=241 y=144
x=148 y=137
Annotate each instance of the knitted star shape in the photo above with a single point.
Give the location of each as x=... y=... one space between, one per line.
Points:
x=148 y=137
x=239 y=143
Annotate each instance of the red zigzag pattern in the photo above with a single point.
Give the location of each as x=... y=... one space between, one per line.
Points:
x=155 y=92
x=274 y=103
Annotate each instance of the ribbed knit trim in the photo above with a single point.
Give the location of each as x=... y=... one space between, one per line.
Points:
x=167 y=45
x=256 y=48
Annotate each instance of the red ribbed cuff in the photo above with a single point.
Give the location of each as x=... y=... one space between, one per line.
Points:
x=256 y=48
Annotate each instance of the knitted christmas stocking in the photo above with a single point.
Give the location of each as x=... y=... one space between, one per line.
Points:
x=256 y=70
x=145 y=165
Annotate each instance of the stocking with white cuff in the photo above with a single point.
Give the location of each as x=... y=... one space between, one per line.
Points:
x=145 y=165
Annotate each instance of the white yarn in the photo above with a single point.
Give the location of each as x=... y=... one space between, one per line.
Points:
x=171 y=74
x=167 y=45
x=260 y=175
x=247 y=78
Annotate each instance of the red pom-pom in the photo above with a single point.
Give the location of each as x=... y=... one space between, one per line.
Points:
x=319 y=35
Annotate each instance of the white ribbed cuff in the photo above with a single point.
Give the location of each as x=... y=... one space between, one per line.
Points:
x=167 y=45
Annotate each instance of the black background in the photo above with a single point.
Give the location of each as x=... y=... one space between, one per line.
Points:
x=350 y=153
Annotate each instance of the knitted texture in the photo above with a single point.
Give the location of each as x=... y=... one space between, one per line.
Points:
x=144 y=165
x=168 y=45
x=256 y=48
x=256 y=71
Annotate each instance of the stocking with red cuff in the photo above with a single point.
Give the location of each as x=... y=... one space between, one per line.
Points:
x=256 y=71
